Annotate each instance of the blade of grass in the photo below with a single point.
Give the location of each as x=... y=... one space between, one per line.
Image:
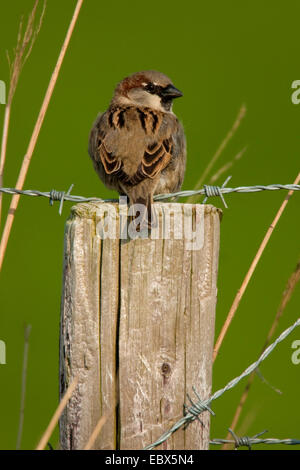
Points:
x=214 y=159
x=58 y=412
x=226 y=167
x=95 y=433
x=3 y=148
x=22 y=52
x=35 y=134
x=250 y=272
x=23 y=385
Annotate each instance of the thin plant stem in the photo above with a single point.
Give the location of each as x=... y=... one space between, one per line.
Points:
x=58 y=412
x=250 y=272
x=224 y=143
x=23 y=385
x=22 y=52
x=288 y=291
x=3 y=148
x=95 y=433
x=35 y=134
x=227 y=165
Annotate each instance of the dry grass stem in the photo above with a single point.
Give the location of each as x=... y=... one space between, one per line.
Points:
x=250 y=272
x=35 y=134
x=3 y=149
x=21 y=53
x=287 y=293
x=95 y=433
x=23 y=385
x=23 y=49
x=47 y=434
x=234 y=128
x=226 y=167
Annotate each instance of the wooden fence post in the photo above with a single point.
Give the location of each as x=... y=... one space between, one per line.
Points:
x=137 y=324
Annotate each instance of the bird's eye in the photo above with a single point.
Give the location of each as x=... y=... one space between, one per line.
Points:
x=150 y=87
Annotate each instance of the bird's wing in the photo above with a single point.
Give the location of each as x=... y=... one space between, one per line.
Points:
x=97 y=148
x=109 y=161
x=156 y=156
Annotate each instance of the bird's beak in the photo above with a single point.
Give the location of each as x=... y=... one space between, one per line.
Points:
x=171 y=92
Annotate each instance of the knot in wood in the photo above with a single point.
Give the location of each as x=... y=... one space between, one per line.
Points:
x=166 y=369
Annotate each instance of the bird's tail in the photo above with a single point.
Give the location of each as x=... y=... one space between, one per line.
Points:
x=144 y=217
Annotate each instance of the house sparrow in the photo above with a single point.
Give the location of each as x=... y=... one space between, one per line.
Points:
x=138 y=145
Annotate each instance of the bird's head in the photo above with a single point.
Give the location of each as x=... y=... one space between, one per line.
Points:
x=149 y=89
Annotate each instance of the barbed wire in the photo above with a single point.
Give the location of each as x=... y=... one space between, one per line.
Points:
x=193 y=412
x=207 y=191
x=247 y=441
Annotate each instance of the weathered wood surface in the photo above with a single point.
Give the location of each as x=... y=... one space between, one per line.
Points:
x=137 y=327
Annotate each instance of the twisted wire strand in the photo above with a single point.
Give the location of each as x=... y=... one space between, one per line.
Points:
x=251 y=441
x=246 y=441
x=207 y=191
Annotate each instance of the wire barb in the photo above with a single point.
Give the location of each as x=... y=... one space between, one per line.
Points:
x=197 y=408
x=244 y=441
x=59 y=196
x=210 y=191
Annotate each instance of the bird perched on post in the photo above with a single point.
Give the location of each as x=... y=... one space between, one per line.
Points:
x=138 y=145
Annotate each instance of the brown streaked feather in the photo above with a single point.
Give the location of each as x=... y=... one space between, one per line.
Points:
x=130 y=180
x=154 y=153
x=116 y=117
x=150 y=121
x=150 y=166
x=156 y=121
x=149 y=159
x=152 y=148
x=154 y=163
x=110 y=163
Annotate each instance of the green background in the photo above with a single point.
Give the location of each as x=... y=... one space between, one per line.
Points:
x=220 y=54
